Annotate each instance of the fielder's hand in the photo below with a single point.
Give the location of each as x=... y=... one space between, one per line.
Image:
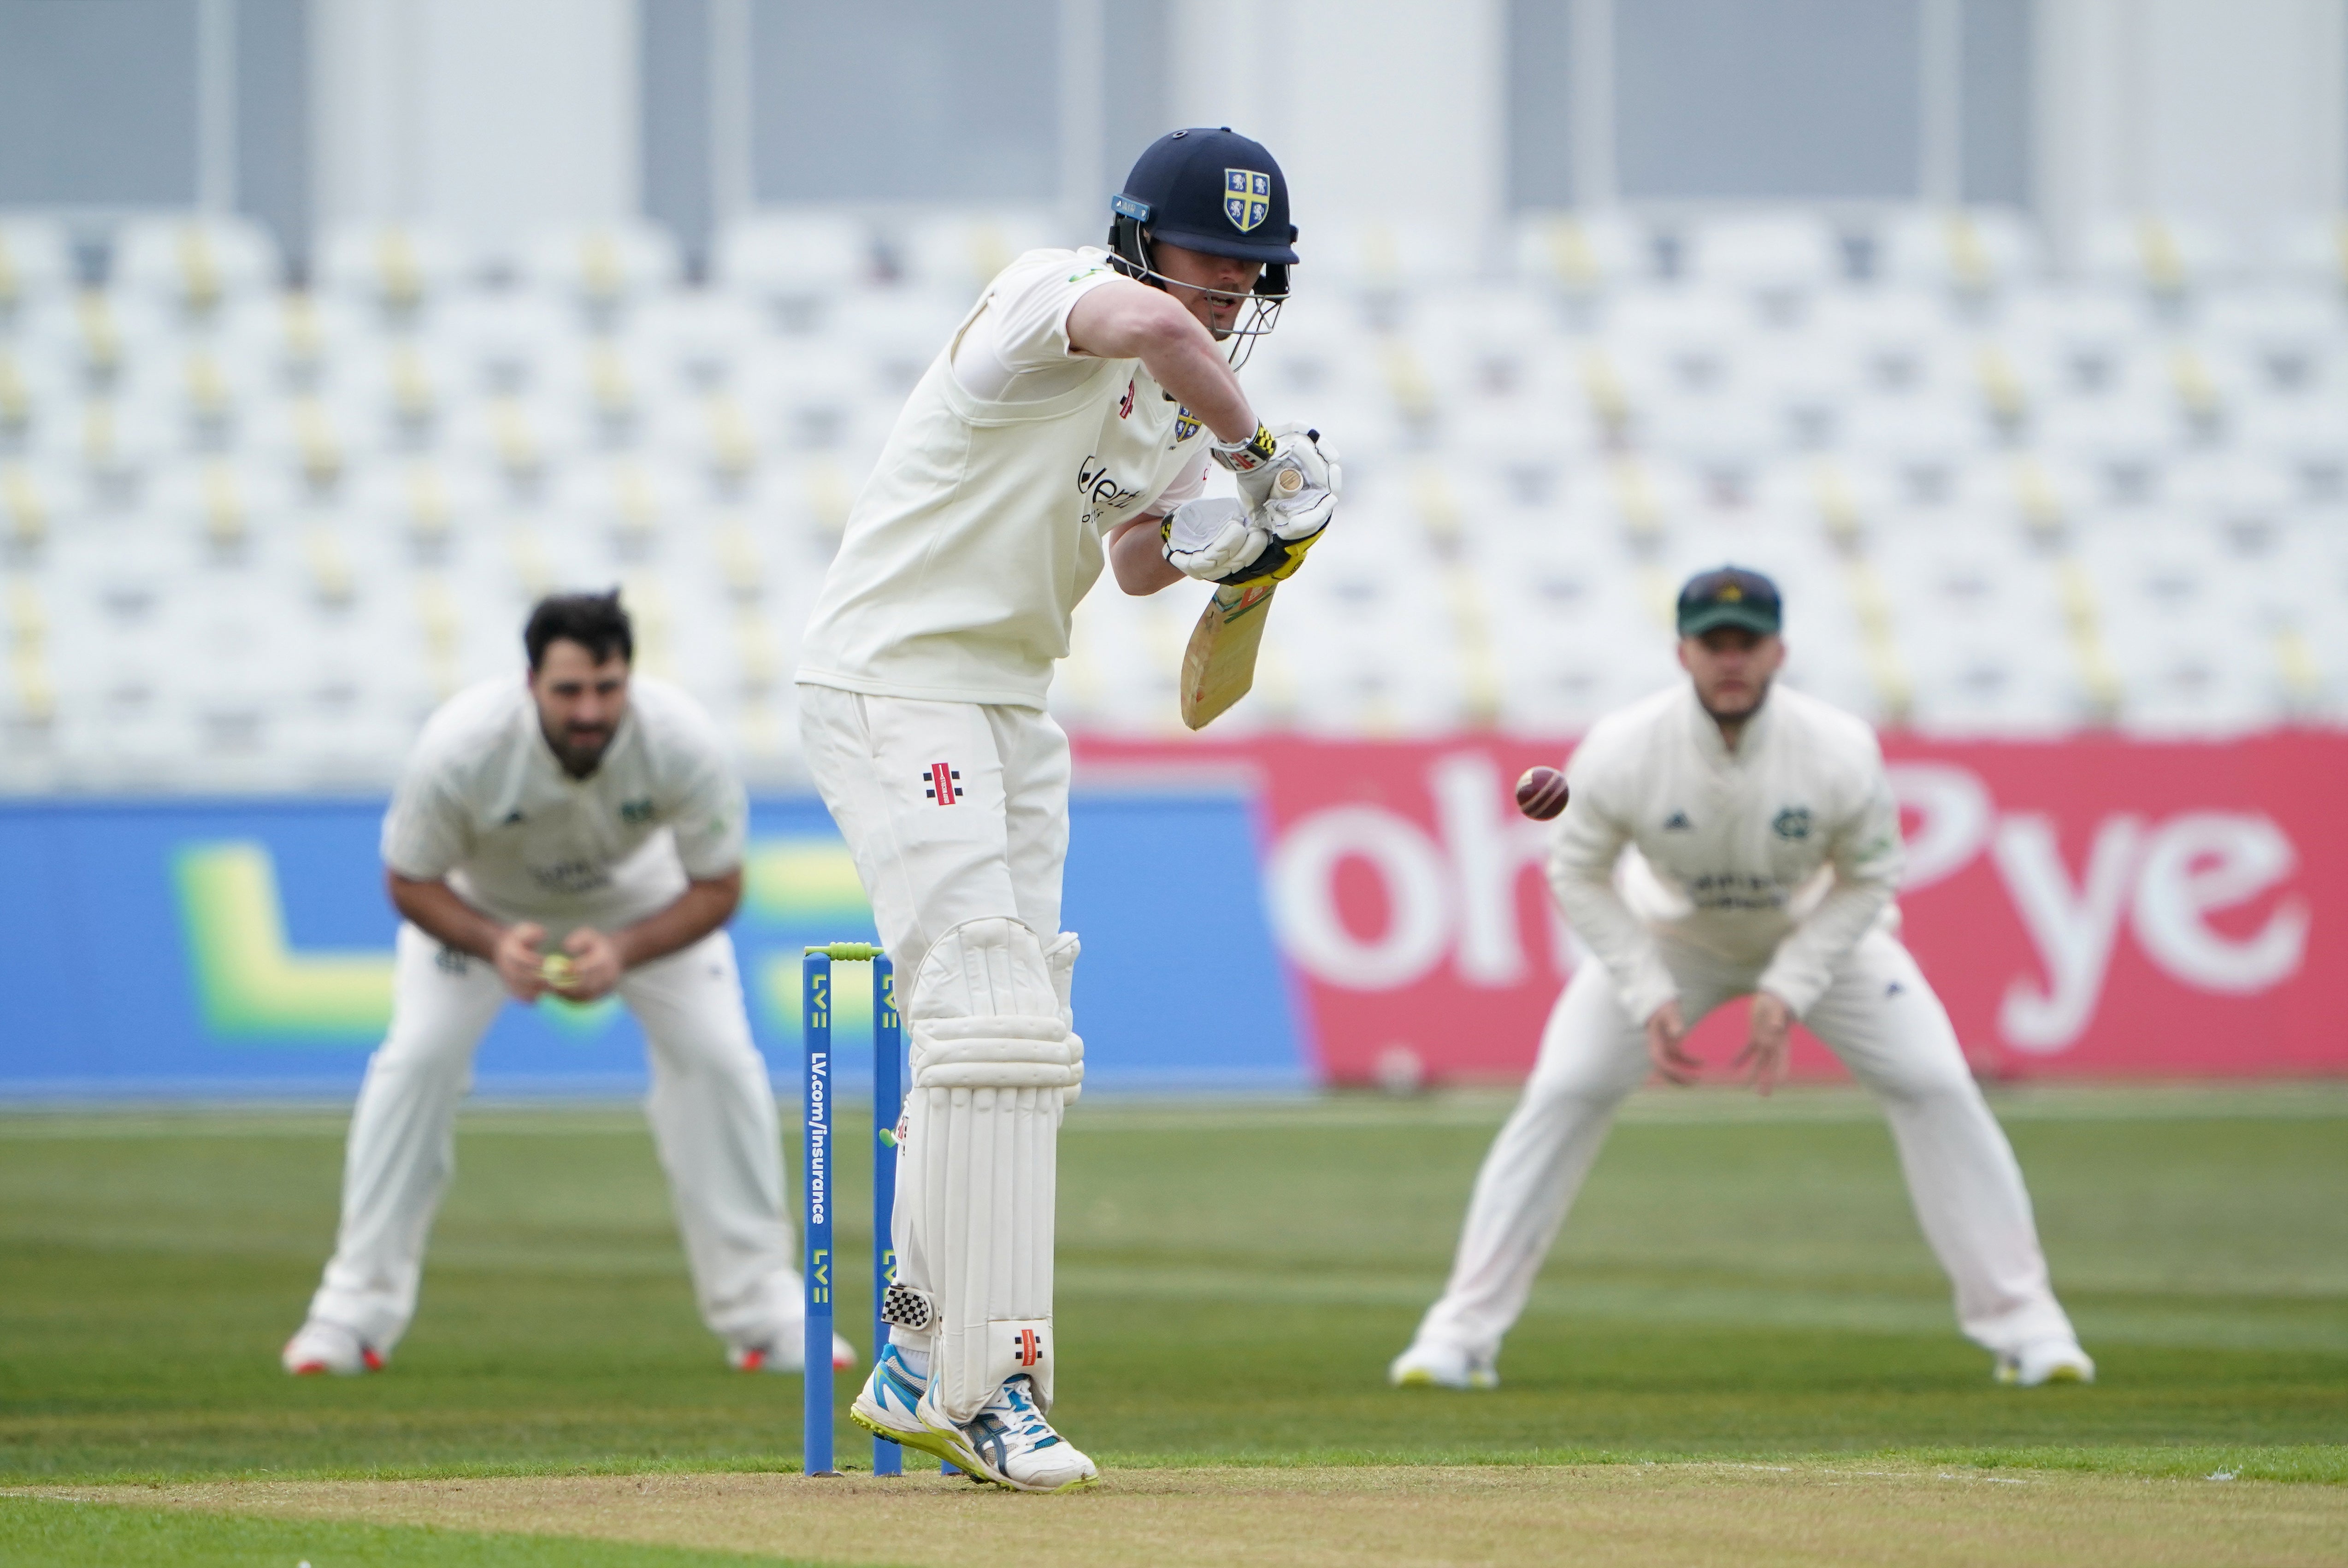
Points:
x=595 y=964
x=1665 y=1033
x=1768 y=1043
x=519 y=962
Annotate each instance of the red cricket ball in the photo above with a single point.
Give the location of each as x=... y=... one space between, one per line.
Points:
x=1541 y=793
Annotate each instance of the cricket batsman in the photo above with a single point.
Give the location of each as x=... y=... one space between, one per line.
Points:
x=1726 y=838
x=1068 y=423
x=581 y=834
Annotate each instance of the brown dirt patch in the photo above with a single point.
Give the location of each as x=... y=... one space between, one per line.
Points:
x=1751 y=1516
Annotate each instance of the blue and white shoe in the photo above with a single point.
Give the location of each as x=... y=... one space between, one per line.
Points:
x=885 y=1406
x=1008 y=1443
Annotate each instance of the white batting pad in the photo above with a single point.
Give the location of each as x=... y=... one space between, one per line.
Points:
x=980 y=1175
x=985 y=968
x=1060 y=958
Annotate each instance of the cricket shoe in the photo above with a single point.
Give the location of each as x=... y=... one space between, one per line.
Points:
x=2047 y=1361
x=1008 y=1443
x=319 y=1346
x=786 y=1353
x=1432 y=1364
x=888 y=1405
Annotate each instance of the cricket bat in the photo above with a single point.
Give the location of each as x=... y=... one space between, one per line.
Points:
x=1218 y=664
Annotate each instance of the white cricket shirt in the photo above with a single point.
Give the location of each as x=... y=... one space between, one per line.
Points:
x=1781 y=854
x=483 y=803
x=981 y=528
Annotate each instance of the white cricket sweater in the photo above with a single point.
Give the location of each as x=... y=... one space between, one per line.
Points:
x=483 y=804
x=1781 y=854
x=981 y=528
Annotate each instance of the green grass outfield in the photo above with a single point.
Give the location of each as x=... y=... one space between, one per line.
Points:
x=1740 y=1282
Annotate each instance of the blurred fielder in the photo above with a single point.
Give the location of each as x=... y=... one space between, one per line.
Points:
x=1763 y=851
x=1068 y=423
x=581 y=834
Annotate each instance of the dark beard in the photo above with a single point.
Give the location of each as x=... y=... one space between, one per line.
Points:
x=577 y=763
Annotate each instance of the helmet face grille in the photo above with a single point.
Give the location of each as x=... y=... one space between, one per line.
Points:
x=1128 y=244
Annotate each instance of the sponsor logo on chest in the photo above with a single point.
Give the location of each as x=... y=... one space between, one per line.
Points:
x=1100 y=487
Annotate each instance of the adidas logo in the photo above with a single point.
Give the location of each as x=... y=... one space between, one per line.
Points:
x=1677 y=822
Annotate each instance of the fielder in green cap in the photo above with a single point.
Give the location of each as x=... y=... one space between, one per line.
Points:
x=1726 y=840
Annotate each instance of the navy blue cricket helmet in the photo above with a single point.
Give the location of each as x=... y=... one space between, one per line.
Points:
x=1212 y=189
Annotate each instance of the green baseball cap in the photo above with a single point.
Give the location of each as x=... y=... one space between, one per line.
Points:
x=1730 y=596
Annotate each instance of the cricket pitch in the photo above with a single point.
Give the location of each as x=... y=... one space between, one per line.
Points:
x=1749 y=1516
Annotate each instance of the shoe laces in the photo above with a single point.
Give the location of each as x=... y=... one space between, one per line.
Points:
x=1023 y=1420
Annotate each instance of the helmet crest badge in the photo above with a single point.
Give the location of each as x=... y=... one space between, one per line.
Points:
x=1247 y=198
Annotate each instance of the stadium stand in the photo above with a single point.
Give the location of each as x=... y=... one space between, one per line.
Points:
x=250 y=535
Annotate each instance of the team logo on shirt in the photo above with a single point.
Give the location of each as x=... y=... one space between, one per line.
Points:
x=1247 y=198
x=1793 y=822
x=1185 y=424
x=1125 y=404
x=943 y=784
x=636 y=813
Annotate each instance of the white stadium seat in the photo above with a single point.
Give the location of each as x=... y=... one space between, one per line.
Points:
x=1582 y=253
x=2312 y=251
x=957 y=254
x=2164 y=254
x=605 y=270
x=35 y=262
x=1967 y=251
x=1781 y=260
x=393 y=271
x=196 y=266
x=261 y=532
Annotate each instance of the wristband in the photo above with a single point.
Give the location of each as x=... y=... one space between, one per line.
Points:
x=1245 y=457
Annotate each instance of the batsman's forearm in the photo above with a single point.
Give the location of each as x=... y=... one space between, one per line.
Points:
x=1190 y=364
x=1136 y=555
x=434 y=908
x=702 y=908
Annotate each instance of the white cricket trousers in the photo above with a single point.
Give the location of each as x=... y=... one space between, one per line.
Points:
x=713 y=1120
x=1882 y=1018
x=996 y=848
x=994 y=844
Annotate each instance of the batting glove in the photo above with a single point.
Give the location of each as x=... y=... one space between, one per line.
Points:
x=1258 y=463
x=1212 y=537
x=1216 y=540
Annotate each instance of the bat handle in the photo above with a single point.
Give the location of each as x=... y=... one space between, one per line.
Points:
x=1287 y=481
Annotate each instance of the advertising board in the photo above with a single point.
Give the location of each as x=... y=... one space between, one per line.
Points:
x=2086 y=907
x=228 y=949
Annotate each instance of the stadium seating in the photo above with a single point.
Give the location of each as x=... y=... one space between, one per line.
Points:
x=248 y=536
